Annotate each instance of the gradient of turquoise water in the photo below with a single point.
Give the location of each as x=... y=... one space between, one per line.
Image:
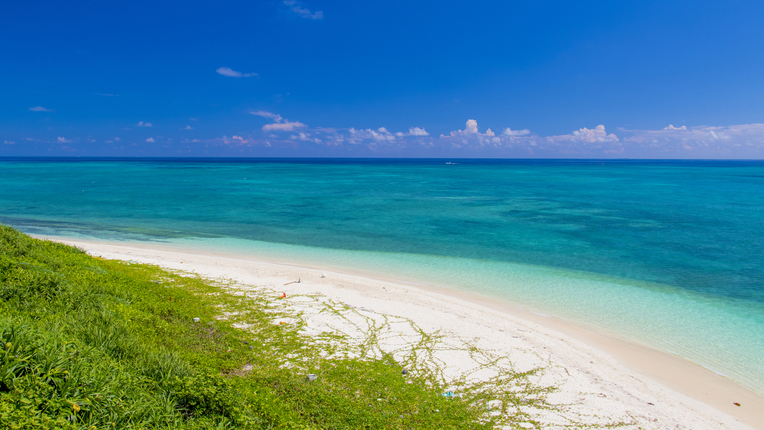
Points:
x=670 y=254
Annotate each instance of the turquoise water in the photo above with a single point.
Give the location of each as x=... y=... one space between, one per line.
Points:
x=670 y=254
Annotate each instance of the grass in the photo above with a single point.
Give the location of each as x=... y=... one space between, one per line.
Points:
x=87 y=343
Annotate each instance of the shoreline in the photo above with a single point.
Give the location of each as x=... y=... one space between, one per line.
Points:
x=628 y=373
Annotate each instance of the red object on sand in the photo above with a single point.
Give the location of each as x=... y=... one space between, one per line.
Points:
x=283 y=295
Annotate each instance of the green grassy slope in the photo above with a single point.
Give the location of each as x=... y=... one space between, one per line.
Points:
x=90 y=343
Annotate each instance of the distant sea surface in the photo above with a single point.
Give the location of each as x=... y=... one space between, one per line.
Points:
x=666 y=253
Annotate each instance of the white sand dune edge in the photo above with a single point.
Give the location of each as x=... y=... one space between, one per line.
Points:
x=604 y=380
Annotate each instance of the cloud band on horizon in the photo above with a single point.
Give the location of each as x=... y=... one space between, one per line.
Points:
x=596 y=142
x=283 y=137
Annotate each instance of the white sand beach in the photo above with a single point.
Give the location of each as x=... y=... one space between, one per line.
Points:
x=601 y=378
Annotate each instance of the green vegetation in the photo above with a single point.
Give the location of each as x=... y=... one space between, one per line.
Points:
x=89 y=343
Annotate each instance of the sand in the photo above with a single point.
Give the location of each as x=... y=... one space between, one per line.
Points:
x=601 y=378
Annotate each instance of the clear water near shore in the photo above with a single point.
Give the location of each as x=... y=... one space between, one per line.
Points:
x=670 y=254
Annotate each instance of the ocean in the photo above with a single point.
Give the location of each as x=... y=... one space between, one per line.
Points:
x=665 y=253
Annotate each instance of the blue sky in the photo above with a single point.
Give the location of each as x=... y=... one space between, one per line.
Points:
x=610 y=79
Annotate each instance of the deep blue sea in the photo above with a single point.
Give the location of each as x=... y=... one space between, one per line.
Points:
x=666 y=253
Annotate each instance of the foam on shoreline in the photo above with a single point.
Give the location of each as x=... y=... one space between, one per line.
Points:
x=599 y=373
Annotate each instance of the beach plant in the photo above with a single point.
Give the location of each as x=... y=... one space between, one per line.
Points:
x=88 y=343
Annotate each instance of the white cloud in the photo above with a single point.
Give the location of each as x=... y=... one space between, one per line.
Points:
x=264 y=114
x=417 y=131
x=283 y=126
x=305 y=137
x=671 y=127
x=40 y=109
x=9 y=142
x=144 y=124
x=586 y=135
x=150 y=140
x=471 y=137
x=188 y=127
x=470 y=127
x=509 y=132
x=236 y=140
x=413 y=131
x=299 y=9
x=415 y=139
x=117 y=139
x=280 y=123
x=470 y=131
x=63 y=140
x=737 y=141
x=379 y=135
x=227 y=71
x=597 y=134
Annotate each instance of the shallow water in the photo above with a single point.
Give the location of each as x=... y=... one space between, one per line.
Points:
x=667 y=253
